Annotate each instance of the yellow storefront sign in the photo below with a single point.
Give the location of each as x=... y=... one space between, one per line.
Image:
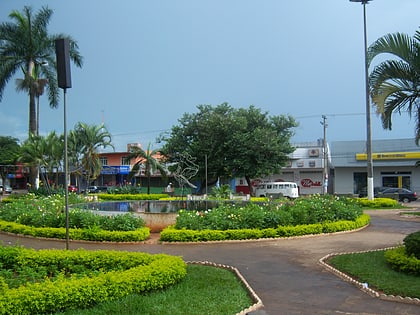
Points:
x=389 y=156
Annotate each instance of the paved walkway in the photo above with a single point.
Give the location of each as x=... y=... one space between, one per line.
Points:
x=285 y=273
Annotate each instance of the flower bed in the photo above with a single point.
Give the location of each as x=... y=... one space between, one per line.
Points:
x=312 y=215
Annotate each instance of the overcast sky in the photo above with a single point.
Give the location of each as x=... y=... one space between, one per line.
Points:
x=148 y=62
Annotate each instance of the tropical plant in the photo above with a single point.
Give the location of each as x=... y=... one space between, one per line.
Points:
x=45 y=153
x=89 y=139
x=26 y=44
x=9 y=153
x=37 y=84
x=395 y=83
x=149 y=159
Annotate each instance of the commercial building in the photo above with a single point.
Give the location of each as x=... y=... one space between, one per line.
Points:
x=394 y=165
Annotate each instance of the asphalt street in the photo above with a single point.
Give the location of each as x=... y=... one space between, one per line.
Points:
x=285 y=273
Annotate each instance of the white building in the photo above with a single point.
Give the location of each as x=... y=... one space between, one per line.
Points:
x=394 y=165
x=307 y=166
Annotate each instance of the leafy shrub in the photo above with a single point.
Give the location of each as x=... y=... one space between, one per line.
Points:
x=311 y=210
x=118 y=197
x=74 y=279
x=41 y=211
x=400 y=260
x=378 y=203
x=91 y=234
x=412 y=244
x=171 y=234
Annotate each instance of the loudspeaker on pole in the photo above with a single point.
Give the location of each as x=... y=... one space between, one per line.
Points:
x=63 y=63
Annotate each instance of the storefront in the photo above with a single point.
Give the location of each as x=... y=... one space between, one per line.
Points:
x=394 y=165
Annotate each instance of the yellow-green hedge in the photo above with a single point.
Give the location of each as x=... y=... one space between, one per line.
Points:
x=400 y=261
x=170 y=234
x=116 y=197
x=140 y=273
x=138 y=235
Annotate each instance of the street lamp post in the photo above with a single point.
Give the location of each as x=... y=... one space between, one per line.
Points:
x=368 y=122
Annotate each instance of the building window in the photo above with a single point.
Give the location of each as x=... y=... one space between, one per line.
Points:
x=125 y=160
x=104 y=160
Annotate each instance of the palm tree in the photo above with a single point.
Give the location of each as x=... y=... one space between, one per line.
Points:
x=37 y=84
x=148 y=159
x=25 y=44
x=89 y=139
x=45 y=153
x=395 y=84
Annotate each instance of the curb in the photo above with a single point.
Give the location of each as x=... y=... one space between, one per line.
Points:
x=257 y=301
x=364 y=286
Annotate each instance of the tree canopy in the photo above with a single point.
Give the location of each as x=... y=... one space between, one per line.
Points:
x=244 y=142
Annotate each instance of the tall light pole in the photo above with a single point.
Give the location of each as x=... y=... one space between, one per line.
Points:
x=368 y=122
x=325 y=157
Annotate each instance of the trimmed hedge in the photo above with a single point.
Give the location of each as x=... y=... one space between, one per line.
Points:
x=378 y=203
x=114 y=275
x=117 y=197
x=170 y=234
x=93 y=234
x=401 y=261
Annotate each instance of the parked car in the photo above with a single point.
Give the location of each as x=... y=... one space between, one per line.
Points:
x=72 y=188
x=404 y=195
x=376 y=191
x=95 y=189
x=7 y=189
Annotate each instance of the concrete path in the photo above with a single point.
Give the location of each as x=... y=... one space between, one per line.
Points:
x=285 y=273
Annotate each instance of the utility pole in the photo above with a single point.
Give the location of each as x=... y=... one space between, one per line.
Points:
x=325 y=157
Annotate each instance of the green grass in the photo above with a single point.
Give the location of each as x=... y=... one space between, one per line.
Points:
x=413 y=213
x=205 y=290
x=373 y=269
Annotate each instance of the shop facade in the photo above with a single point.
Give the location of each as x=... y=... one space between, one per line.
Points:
x=394 y=165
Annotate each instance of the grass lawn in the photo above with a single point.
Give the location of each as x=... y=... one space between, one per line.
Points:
x=205 y=290
x=373 y=269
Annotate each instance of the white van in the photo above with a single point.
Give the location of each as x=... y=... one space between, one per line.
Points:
x=285 y=189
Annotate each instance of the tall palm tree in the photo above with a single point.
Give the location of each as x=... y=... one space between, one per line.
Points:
x=395 y=83
x=90 y=138
x=36 y=83
x=148 y=159
x=26 y=44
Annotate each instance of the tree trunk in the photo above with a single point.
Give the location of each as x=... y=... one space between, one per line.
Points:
x=250 y=187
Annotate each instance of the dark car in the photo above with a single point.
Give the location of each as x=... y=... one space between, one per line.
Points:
x=404 y=195
x=376 y=191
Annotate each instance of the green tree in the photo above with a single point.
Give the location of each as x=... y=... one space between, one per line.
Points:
x=46 y=153
x=26 y=44
x=395 y=83
x=149 y=160
x=89 y=139
x=259 y=145
x=9 y=153
x=234 y=142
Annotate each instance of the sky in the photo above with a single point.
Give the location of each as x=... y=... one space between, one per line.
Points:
x=146 y=63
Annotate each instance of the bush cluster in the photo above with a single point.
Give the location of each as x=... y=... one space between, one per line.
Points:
x=128 y=196
x=412 y=244
x=172 y=234
x=48 y=211
x=311 y=210
x=400 y=260
x=54 y=280
x=378 y=203
x=91 y=234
